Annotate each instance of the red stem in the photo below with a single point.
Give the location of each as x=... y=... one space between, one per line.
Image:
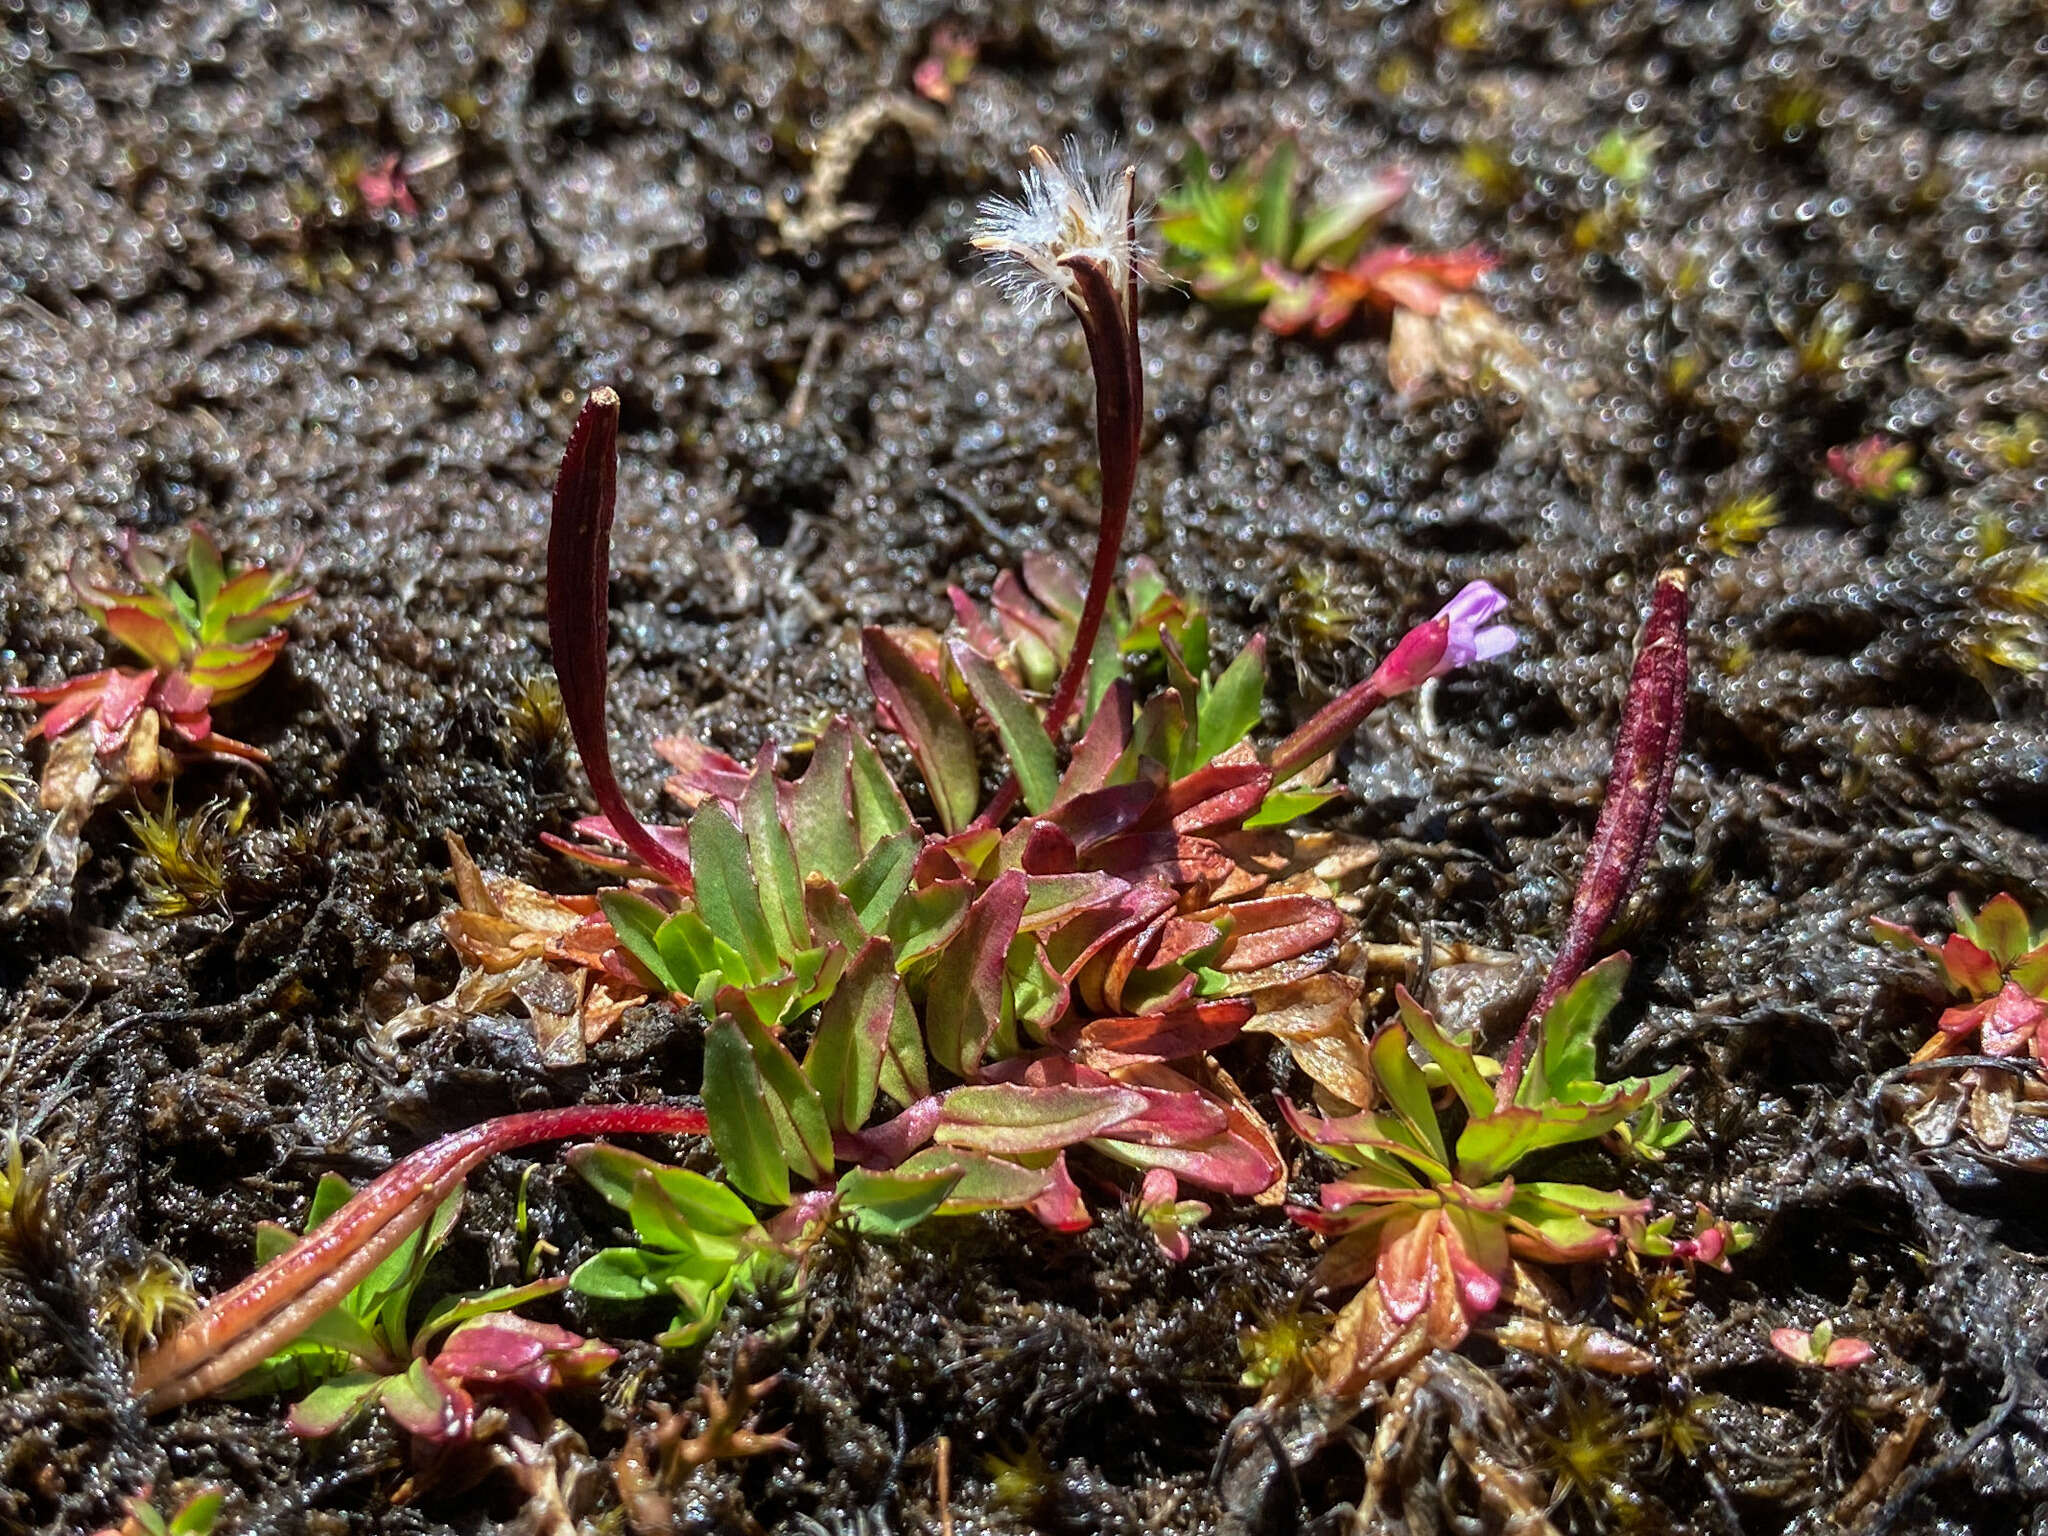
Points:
x=239 y=1328
x=1638 y=790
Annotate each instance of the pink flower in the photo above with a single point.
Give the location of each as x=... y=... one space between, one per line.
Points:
x=1463 y=632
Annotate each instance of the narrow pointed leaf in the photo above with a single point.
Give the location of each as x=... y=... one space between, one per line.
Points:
x=844 y=1062
x=932 y=728
x=1018 y=726
x=776 y=877
x=1569 y=1035
x=726 y=898
x=1454 y=1058
x=1403 y=1084
x=821 y=816
x=967 y=1000
x=1229 y=711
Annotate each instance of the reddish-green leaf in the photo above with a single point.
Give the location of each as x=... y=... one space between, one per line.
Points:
x=967 y=1000
x=932 y=728
x=1017 y=724
x=821 y=819
x=1015 y=1118
x=776 y=878
x=844 y=1062
x=925 y=920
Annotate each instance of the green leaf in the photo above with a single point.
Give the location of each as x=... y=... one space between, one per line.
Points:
x=694 y=954
x=328 y=1408
x=878 y=808
x=1569 y=1035
x=1227 y=712
x=329 y=1196
x=779 y=883
x=844 y=1061
x=794 y=1108
x=881 y=878
x=968 y=999
x=637 y=921
x=931 y=727
x=621 y=1274
x=736 y=1104
x=200 y=1514
x=925 y=920
x=203 y=563
x=1018 y=726
x=1406 y=1090
x=662 y=1226
x=725 y=895
x=1283 y=806
x=1273 y=207
x=821 y=819
x=451 y=1310
x=886 y=1204
x=1454 y=1057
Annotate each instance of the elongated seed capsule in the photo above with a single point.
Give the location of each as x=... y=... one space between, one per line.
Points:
x=240 y=1327
x=1638 y=790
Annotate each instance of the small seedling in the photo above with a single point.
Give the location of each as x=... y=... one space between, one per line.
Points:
x=1879 y=469
x=1823 y=1347
x=199 y=1515
x=1246 y=240
x=1996 y=962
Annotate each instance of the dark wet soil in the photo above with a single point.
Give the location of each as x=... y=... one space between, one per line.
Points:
x=199 y=316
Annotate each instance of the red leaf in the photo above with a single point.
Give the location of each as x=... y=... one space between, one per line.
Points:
x=1276 y=928
x=1185 y=1031
x=964 y=1003
x=921 y=713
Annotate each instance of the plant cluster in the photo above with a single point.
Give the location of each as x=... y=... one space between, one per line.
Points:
x=206 y=638
x=940 y=1002
x=198 y=1515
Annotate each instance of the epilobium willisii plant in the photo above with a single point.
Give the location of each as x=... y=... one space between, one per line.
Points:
x=906 y=1015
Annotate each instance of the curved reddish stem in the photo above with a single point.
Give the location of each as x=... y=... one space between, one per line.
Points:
x=240 y=1327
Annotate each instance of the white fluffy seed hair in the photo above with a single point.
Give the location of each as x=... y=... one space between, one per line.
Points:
x=1065 y=214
